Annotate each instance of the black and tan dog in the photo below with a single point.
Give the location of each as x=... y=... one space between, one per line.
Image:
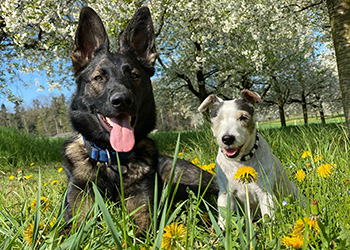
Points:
x=112 y=112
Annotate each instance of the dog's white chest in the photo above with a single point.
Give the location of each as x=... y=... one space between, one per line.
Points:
x=225 y=176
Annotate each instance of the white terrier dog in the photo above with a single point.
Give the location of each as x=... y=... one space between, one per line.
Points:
x=233 y=124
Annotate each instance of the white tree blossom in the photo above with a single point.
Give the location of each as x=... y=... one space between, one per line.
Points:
x=219 y=46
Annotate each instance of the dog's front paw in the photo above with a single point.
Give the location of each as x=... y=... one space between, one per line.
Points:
x=222 y=224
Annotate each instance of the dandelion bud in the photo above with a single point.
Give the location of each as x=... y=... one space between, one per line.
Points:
x=267 y=218
x=314 y=210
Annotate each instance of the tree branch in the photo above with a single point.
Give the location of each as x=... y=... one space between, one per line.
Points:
x=265 y=90
x=161 y=63
x=161 y=23
x=34 y=44
x=189 y=84
x=310 y=6
x=210 y=73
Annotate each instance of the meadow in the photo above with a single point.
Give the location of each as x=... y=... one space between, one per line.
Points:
x=316 y=158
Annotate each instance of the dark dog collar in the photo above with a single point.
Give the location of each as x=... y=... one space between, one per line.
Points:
x=104 y=155
x=252 y=152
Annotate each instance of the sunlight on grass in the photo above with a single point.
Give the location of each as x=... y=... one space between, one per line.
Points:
x=316 y=158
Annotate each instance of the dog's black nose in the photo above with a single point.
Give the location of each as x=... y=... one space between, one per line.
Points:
x=121 y=100
x=228 y=139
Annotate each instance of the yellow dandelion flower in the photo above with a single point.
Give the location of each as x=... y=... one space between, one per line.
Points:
x=318 y=158
x=246 y=174
x=305 y=154
x=32 y=164
x=211 y=165
x=173 y=237
x=11 y=177
x=45 y=184
x=28 y=176
x=28 y=233
x=295 y=241
x=324 y=170
x=44 y=204
x=209 y=168
x=313 y=226
x=54 y=182
x=52 y=222
x=60 y=170
x=181 y=153
x=300 y=175
x=299 y=226
x=195 y=161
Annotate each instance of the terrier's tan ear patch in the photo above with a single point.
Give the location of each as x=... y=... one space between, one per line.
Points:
x=250 y=97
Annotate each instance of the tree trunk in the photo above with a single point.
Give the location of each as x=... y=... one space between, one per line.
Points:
x=320 y=109
x=24 y=122
x=56 y=125
x=304 y=107
x=339 y=15
x=282 y=114
x=323 y=120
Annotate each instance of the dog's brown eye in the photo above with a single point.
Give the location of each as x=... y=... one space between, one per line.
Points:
x=243 y=118
x=98 y=78
x=133 y=75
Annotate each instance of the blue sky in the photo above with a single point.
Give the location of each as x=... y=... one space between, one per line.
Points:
x=31 y=92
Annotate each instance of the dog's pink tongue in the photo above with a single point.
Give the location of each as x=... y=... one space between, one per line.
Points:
x=122 y=134
x=231 y=151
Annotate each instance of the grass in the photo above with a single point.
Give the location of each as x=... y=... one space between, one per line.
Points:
x=297 y=121
x=30 y=169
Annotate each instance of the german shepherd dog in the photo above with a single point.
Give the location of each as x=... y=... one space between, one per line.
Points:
x=112 y=112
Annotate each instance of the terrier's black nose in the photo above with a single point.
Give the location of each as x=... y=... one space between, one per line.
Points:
x=121 y=101
x=228 y=139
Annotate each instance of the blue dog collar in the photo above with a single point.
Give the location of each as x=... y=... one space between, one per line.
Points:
x=104 y=155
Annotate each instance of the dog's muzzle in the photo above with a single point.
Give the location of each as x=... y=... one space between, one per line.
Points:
x=228 y=150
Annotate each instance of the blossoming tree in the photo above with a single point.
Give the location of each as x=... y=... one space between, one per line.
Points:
x=217 y=46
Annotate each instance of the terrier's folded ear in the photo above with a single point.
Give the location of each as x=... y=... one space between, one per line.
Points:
x=250 y=97
x=211 y=99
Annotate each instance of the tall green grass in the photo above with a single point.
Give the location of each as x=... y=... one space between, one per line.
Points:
x=19 y=149
x=109 y=226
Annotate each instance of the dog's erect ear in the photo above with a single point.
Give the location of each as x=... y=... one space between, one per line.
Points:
x=211 y=99
x=250 y=97
x=89 y=37
x=139 y=38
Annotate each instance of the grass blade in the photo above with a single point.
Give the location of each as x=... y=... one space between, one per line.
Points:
x=107 y=217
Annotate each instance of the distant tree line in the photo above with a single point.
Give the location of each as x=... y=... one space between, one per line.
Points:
x=41 y=118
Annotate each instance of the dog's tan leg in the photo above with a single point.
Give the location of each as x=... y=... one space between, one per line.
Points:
x=142 y=217
x=79 y=202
